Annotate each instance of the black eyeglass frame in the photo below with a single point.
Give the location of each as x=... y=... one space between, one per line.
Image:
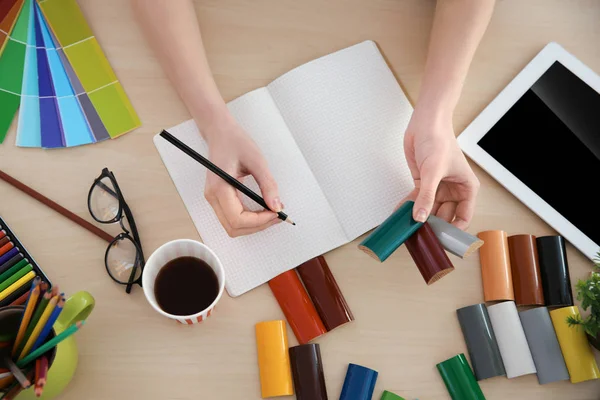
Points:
x=124 y=211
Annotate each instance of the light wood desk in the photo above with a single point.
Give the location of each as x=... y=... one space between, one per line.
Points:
x=402 y=328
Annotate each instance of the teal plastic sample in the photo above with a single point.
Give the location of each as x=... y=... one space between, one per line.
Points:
x=391 y=234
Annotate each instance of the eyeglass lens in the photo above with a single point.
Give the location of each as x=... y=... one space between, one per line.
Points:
x=104 y=202
x=121 y=258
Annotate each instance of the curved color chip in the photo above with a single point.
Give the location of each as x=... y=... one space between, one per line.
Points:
x=525 y=267
x=495 y=266
x=554 y=270
x=574 y=345
x=512 y=342
x=390 y=396
x=548 y=358
x=297 y=307
x=359 y=383
x=481 y=341
x=307 y=370
x=325 y=293
x=273 y=359
x=453 y=239
x=459 y=379
x=391 y=234
x=429 y=255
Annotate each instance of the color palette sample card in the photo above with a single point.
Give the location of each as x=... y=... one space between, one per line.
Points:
x=54 y=72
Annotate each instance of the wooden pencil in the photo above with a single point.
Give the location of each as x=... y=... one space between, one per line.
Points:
x=21 y=299
x=50 y=323
x=50 y=344
x=41 y=379
x=38 y=327
x=36 y=316
x=16 y=371
x=56 y=207
x=28 y=313
x=24 y=280
x=221 y=174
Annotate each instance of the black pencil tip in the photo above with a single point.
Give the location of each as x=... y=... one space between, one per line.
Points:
x=293 y=223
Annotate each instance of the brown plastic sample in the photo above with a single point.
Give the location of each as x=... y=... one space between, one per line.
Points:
x=325 y=293
x=496 y=273
x=429 y=255
x=525 y=267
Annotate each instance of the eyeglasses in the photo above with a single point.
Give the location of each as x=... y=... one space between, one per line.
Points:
x=124 y=258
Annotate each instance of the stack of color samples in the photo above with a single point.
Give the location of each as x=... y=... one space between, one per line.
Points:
x=53 y=70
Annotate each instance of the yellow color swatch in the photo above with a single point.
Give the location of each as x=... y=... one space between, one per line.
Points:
x=273 y=359
x=68 y=23
x=90 y=64
x=574 y=346
x=115 y=110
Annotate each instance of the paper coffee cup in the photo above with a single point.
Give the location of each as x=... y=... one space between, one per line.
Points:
x=170 y=251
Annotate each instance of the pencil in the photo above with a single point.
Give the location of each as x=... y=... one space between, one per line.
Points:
x=21 y=299
x=49 y=324
x=2 y=233
x=40 y=380
x=16 y=371
x=50 y=344
x=39 y=310
x=12 y=270
x=14 y=391
x=222 y=174
x=29 y=308
x=15 y=277
x=5 y=248
x=4 y=240
x=38 y=365
x=39 y=326
x=15 y=286
x=11 y=262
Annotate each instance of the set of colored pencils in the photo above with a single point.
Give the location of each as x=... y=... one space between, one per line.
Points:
x=29 y=349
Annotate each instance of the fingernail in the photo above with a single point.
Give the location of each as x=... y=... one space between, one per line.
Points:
x=421 y=215
x=276 y=204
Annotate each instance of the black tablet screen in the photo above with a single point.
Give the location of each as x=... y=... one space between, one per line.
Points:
x=550 y=140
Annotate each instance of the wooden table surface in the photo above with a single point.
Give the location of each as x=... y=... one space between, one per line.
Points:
x=402 y=328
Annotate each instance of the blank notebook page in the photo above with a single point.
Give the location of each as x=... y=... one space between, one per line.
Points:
x=252 y=260
x=348 y=115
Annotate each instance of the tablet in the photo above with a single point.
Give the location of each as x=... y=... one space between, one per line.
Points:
x=540 y=139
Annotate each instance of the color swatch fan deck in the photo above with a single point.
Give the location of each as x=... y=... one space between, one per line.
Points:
x=54 y=72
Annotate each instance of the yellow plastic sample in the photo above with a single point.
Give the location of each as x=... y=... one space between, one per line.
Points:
x=273 y=359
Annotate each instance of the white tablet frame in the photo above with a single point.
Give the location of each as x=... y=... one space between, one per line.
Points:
x=468 y=139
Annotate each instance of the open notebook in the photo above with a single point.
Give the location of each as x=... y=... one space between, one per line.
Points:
x=332 y=133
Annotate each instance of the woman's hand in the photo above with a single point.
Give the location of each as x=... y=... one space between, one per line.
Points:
x=235 y=152
x=445 y=185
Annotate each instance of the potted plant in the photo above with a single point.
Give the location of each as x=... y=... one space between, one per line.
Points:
x=588 y=292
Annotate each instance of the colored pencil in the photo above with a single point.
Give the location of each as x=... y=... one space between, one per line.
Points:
x=21 y=299
x=14 y=391
x=41 y=380
x=16 y=371
x=50 y=323
x=38 y=327
x=29 y=308
x=11 y=262
x=3 y=240
x=56 y=207
x=6 y=248
x=15 y=286
x=2 y=233
x=8 y=255
x=221 y=174
x=50 y=344
x=38 y=367
x=16 y=276
x=13 y=270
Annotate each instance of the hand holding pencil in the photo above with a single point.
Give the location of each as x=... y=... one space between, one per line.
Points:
x=234 y=155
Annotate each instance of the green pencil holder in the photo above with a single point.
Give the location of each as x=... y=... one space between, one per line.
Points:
x=62 y=369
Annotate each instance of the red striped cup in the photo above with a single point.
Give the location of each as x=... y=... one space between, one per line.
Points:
x=170 y=251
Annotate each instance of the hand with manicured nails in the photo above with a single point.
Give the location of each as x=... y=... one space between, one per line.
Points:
x=445 y=185
x=235 y=152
